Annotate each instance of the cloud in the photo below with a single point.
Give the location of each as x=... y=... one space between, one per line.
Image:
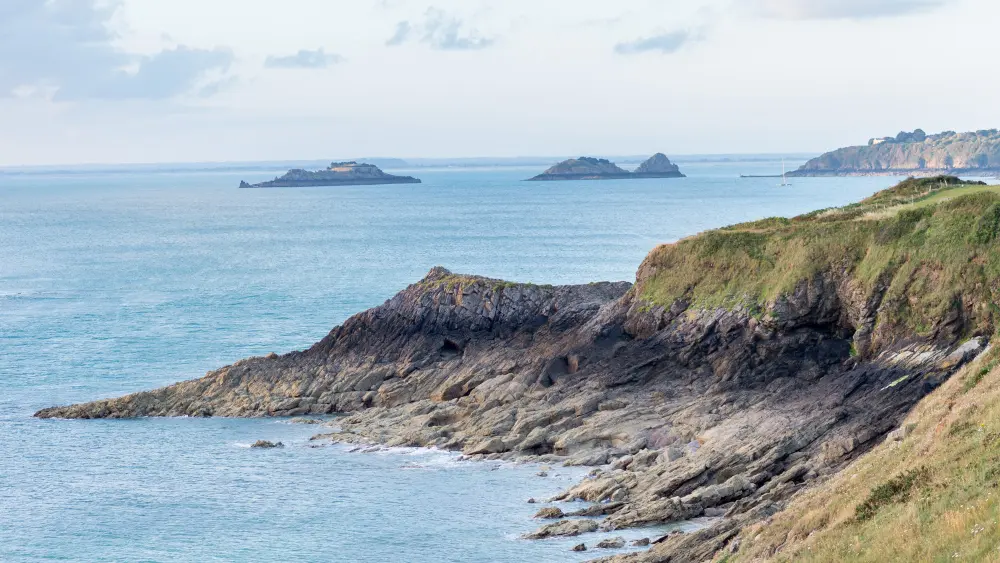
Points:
x=440 y=31
x=67 y=47
x=841 y=9
x=403 y=30
x=304 y=59
x=669 y=42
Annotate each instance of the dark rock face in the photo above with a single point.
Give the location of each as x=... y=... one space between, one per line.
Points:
x=715 y=411
x=338 y=174
x=586 y=168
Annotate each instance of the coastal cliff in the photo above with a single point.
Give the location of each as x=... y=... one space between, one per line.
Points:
x=913 y=154
x=745 y=365
x=338 y=174
x=587 y=168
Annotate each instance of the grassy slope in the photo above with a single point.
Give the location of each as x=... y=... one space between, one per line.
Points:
x=933 y=241
x=934 y=496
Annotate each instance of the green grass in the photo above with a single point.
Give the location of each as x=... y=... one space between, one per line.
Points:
x=933 y=257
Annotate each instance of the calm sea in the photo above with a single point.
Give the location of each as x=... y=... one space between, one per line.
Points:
x=113 y=282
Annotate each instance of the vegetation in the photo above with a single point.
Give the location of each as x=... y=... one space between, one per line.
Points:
x=943 y=503
x=928 y=244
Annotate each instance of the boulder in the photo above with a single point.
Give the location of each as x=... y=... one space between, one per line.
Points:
x=612 y=543
x=563 y=528
x=550 y=513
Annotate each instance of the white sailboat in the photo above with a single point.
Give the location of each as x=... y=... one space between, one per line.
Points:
x=784 y=181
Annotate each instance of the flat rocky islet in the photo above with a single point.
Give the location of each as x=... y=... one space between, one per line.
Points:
x=913 y=154
x=588 y=168
x=744 y=366
x=338 y=174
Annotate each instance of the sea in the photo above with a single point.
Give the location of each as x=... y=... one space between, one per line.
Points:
x=120 y=279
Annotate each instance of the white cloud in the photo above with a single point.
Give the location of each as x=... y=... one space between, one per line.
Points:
x=304 y=59
x=841 y=9
x=666 y=42
x=68 y=47
x=441 y=31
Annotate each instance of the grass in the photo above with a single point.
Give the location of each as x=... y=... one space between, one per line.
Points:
x=942 y=502
x=929 y=244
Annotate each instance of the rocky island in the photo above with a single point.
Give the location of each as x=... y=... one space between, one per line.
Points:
x=587 y=168
x=913 y=154
x=338 y=174
x=744 y=370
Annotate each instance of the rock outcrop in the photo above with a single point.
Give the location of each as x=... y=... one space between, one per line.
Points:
x=743 y=366
x=658 y=166
x=338 y=174
x=913 y=154
x=587 y=168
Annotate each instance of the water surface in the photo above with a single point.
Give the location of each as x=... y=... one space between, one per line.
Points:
x=112 y=283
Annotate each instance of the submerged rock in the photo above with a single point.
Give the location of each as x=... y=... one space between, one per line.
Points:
x=266 y=444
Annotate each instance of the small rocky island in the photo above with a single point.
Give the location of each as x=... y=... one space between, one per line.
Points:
x=588 y=168
x=913 y=154
x=338 y=174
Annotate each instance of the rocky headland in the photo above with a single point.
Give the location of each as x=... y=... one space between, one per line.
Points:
x=913 y=154
x=338 y=174
x=587 y=168
x=744 y=366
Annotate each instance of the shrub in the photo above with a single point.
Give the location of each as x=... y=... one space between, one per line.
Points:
x=893 y=491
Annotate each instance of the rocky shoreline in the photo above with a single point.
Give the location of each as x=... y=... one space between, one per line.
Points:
x=696 y=410
x=688 y=402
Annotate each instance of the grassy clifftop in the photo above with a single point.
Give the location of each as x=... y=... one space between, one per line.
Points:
x=926 y=246
x=929 y=493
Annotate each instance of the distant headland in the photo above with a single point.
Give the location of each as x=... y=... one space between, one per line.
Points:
x=587 y=168
x=913 y=154
x=338 y=174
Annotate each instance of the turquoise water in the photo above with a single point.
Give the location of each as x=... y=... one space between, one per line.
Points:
x=116 y=282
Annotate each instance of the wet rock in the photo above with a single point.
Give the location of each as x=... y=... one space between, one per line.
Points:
x=542 y=474
x=642 y=542
x=563 y=528
x=579 y=547
x=613 y=543
x=599 y=509
x=306 y=421
x=266 y=444
x=532 y=501
x=550 y=513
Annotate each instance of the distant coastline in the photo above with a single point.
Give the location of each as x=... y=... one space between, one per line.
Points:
x=913 y=154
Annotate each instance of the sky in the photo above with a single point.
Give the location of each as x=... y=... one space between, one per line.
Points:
x=130 y=81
